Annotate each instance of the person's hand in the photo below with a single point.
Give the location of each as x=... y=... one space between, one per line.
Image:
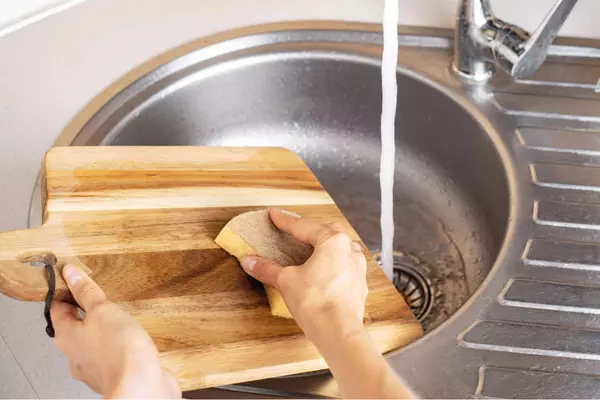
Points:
x=108 y=350
x=326 y=296
x=328 y=292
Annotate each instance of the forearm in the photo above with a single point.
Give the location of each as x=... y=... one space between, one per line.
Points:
x=358 y=367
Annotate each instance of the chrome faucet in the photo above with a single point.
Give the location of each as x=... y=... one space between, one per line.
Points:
x=483 y=40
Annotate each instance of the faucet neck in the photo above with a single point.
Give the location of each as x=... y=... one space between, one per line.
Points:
x=473 y=15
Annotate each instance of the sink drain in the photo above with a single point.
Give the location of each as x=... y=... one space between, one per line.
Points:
x=412 y=285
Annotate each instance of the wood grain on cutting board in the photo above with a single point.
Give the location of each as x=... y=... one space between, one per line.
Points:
x=143 y=220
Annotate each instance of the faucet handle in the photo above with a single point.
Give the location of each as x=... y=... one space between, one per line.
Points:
x=535 y=49
x=482 y=39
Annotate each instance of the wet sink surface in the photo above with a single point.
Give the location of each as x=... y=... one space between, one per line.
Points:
x=495 y=212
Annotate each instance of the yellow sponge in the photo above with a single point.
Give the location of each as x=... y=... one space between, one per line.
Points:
x=253 y=233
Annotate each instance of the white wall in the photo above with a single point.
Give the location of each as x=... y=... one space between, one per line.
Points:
x=584 y=21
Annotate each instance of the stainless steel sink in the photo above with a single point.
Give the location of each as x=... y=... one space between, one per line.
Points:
x=451 y=195
x=479 y=170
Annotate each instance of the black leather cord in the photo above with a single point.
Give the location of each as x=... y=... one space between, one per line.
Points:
x=49 y=298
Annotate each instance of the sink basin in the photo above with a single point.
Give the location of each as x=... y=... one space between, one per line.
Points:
x=451 y=194
x=496 y=193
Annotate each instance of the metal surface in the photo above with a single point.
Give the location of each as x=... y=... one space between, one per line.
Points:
x=489 y=186
x=411 y=281
x=483 y=40
x=414 y=288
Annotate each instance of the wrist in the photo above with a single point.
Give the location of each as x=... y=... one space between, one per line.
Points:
x=331 y=326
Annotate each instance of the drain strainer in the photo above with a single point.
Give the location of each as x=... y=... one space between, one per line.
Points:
x=413 y=286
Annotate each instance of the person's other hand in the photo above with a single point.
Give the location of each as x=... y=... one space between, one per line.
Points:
x=108 y=350
x=328 y=292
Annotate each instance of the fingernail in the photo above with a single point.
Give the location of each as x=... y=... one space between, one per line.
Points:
x=72 y=274
x=248 y=264
x=291 y=213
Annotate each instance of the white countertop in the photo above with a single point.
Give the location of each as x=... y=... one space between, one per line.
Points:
x=50 y=69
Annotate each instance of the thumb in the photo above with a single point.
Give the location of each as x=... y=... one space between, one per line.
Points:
x=85 y=291
x=262 y=269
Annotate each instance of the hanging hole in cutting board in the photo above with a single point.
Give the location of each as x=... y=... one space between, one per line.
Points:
x=37 y=258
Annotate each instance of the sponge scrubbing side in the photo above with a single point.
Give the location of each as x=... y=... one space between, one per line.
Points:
x=253 y=233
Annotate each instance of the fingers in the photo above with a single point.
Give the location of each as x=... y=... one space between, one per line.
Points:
x=303 y=230
x=64 y=318
x=86 y=292
x=336 y=226
x=63 y=313
x=264 y=270
x=66 y=325
x=335 y=234
x=360 y=260
x=358 y=256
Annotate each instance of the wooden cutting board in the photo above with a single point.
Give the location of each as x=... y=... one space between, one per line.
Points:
x=142 y=220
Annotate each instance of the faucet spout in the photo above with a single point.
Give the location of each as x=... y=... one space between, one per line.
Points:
x=483 y=40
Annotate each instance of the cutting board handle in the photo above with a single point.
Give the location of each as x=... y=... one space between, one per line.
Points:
x=27 y=282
